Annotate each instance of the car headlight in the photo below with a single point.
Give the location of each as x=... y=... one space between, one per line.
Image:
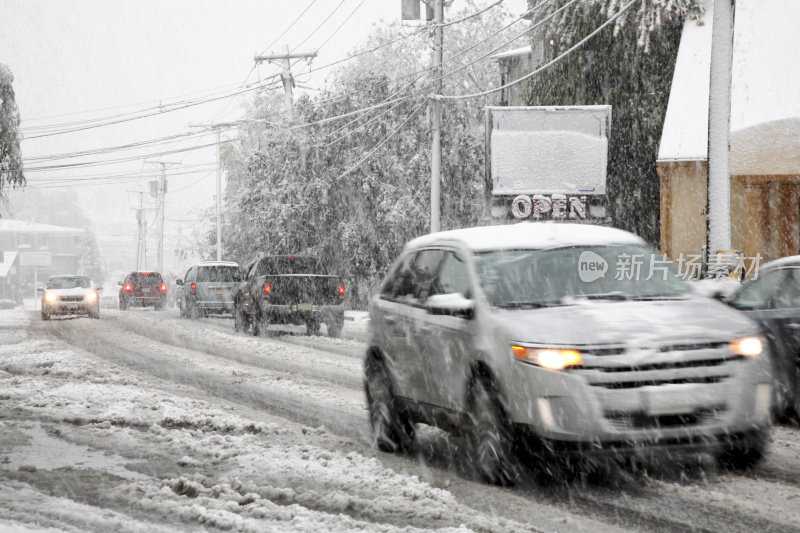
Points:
x=50 y=297
x=747 y=346
x=90 y=296
x=549 y=358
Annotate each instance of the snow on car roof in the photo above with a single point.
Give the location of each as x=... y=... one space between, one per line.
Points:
x=218 y=263
x=791 y=261
x=530 y=235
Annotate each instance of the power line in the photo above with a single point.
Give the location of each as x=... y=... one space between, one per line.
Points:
x=543 y=67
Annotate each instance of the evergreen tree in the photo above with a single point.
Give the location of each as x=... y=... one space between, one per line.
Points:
x=630 y=68
x=10 y=156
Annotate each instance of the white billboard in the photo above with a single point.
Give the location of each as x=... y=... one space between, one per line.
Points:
x=547 y=150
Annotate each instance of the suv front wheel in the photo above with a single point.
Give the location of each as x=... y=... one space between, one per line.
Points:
x=491 y=440
x=392 y=431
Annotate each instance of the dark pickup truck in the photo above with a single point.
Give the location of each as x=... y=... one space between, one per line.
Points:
x=280 y=289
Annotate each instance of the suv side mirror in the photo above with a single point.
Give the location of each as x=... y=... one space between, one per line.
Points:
x=178 y=282
x=451 y=304
x=120 y=283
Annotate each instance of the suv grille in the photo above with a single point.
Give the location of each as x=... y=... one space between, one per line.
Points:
x=614 y=368
x=625 y=421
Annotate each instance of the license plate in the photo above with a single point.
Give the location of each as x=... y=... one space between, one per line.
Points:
x=219 y=291
x=304 y=307
x=145 y=290
x=676 y=400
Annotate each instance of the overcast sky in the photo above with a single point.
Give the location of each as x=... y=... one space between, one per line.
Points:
x=78 y=60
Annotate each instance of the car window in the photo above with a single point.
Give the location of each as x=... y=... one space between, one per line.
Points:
x=453 y=277
x=69 y=282
x=757 y=294
x=145 y=278
x=217 y=273
x=548 y=277
x=188 y=276
x=789 y=294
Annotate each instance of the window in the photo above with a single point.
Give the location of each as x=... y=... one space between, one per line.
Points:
x=758 y=293
x=217 y=273
x=413 y=276
x=453 y=277
x=24 y=240
x=789 y=296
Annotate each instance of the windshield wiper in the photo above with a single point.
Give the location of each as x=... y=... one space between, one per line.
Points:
x=648 y=297
x=616 y=296
x=529 y=305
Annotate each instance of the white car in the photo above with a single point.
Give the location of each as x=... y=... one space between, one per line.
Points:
x=70 y=295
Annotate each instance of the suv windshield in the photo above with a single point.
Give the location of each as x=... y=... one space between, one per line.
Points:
x=69 y=282
x=218 y=273
x=145 y=278
x=546 y=277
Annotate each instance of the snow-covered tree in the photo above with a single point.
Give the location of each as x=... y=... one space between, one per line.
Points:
x=352 y=191
x=10 y=156
x=89 y=262
x=629 y=67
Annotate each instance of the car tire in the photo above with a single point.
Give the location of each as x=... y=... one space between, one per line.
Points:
x=312 y=327
x=94 y=313
x=260 y=324
x=191 y=311
x=123 y=305
x=160 y=306
x=45 y=316
x=392 y=431
x=334 y=329
x=490 y=437
x=795 y=399
x=239 y=320
x=743 y=452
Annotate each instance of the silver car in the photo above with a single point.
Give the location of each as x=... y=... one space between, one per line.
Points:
x=208 y=288
x=563 y=339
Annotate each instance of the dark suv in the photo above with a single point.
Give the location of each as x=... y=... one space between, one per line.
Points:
x=142 y=289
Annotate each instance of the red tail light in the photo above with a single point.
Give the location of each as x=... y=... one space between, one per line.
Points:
x=128 y=287
x=267 y=289
x=193 y=288
x=163 y=287
x=341 y=290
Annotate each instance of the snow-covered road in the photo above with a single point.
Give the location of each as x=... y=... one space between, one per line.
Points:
x=143 y=421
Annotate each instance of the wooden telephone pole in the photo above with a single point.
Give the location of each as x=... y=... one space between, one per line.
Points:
x=284 y=60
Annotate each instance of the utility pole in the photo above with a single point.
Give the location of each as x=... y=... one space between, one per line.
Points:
x=216 y=126
x=140 y=219
x=162 y=190
x=284 y=60
x=719 y=113
x=436 y=115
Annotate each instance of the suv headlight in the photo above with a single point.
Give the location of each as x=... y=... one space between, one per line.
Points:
x=747 y=346
x=50 y=297
x=549 y=358
x=90 y=296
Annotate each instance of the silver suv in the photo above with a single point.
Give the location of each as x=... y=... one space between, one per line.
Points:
x=564 y=339
x=208 y=288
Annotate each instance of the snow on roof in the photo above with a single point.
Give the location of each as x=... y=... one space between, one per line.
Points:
x=530 y=235
x=218 y=263
x=766 y=149
x=34 y=227
x=513 y=53
x=685 y=133
x=764 y=78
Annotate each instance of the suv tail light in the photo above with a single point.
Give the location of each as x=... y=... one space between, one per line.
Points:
x=193 y=288
x=267 y=289
x=128 y=287
x=163 y=287
x=341 y=290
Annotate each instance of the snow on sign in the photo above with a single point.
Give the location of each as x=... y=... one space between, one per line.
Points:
x=545 y=161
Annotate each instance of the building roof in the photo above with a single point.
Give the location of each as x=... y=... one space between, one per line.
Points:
x=685 y=136
x=764 y=81
x=34 y=227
